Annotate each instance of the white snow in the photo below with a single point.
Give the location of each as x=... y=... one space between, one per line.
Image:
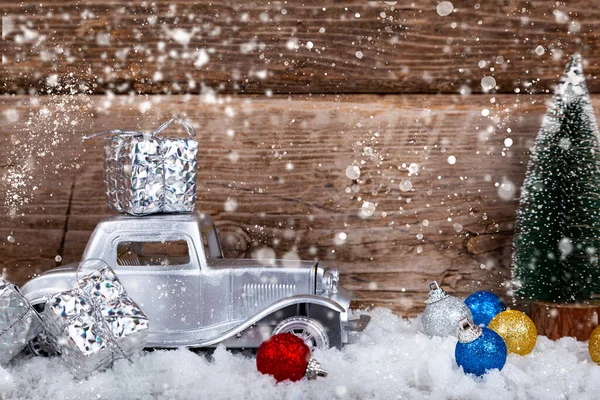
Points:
x=405 y=185
x=158 y=76
x=230 y=205
x=28 y=36
x=488 y=83
x=574 y=27
x=560 y=17
x=265 y=254
x=413 y=168
x=444 y=8
x=367 y=209
x=52 y=80
x=292 y=44
x=507 y=190
x=234 y=156
x=180 y=35
x=8 y=26
x=201 y=58
x=261 y=74
x=145 y=107
x=103 y=39
x=565 y=245
x=392 y=359
x=122 y=54
x=540 y=50
x=353 y=172
x=340 y=238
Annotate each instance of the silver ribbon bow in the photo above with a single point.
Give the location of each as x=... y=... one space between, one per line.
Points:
x=188 y=128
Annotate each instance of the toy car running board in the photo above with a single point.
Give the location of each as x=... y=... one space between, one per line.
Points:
x=357 y=325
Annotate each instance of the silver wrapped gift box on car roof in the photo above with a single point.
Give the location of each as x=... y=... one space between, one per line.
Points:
x=19 y=323
x=95 y=323
x=148 y=174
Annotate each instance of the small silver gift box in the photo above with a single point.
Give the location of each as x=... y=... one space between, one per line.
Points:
x=95 y=323
x=147 y=173
x=19 y=322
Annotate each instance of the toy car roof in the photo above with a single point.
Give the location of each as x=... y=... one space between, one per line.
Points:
x=163 y=221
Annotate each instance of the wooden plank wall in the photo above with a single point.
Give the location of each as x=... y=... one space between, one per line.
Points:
x=286 y=97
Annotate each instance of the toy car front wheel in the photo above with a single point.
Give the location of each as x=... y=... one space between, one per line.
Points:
x=308 y=329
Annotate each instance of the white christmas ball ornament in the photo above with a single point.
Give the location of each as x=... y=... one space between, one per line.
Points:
x=443 y=312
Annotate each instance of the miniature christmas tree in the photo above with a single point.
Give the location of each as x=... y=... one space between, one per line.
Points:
x=557 y=234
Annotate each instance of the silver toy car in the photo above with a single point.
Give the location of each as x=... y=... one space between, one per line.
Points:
x=172 y=265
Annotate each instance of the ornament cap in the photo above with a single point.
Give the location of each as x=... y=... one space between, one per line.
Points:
x=314 y=370
x=467 y=331
x=436 y=293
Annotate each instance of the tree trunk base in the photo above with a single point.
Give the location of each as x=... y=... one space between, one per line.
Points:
x=559 y=320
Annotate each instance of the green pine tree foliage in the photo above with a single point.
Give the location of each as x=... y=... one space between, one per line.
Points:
x=557 y=234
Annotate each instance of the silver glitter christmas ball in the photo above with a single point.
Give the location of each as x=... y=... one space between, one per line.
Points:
x=443 y=312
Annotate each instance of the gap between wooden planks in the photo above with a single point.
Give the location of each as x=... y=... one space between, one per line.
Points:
x=272 y=171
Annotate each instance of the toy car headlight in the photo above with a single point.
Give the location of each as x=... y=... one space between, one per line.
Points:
x=331 y=280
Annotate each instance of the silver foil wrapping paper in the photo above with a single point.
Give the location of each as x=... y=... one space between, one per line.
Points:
x=19 y=322
x=95 y=323
x=147 y=174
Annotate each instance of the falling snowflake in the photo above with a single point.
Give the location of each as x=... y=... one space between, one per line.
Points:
x=353 y=172
x=444 y=8
x=367 y=209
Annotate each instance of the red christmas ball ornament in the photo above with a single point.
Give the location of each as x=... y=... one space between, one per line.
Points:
x=286 y=357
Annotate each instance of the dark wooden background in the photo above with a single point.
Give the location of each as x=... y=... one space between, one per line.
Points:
x=285 y=97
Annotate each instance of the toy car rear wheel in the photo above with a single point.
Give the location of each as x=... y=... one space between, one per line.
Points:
x=310 y=330
x=39 y=345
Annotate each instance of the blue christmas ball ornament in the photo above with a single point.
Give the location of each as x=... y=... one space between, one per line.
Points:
x=484 y=306
x=478 y=349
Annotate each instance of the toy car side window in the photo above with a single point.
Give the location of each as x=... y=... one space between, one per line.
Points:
x=146 y=253
x=210 y=242
x=205 y=243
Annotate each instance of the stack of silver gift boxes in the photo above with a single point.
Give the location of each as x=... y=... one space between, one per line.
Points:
x=95 y=323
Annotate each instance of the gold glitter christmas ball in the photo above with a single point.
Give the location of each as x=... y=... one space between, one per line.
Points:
x=594 y=345
x=517 y=330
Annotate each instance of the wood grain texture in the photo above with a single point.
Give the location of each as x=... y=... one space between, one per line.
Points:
x=560 y=320
x=183 y=46
x=272 y=171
